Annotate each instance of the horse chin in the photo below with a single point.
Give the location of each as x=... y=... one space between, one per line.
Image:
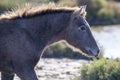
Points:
x=85 y=53
x=89 y=54
x=81 y=50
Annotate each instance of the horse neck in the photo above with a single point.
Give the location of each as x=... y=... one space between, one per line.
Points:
x=48 y=28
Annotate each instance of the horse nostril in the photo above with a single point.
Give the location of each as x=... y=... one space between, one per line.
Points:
x=90 y=51
x=98 y=51
x=95 y=53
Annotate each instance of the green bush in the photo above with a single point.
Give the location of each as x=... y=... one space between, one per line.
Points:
x=106 y=14
x=67 y=2
x=103 y=69
x=102 y=12
x=97 y=4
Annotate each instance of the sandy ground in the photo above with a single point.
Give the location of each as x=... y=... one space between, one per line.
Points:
x=58 y=69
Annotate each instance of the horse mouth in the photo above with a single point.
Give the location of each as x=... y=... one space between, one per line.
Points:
x=90 y=53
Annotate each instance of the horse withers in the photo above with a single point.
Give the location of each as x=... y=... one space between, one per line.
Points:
x=24 y=33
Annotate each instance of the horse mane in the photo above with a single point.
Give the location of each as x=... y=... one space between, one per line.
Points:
x=29 y=11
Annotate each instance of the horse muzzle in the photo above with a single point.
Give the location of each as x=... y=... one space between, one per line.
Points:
x=92 y=52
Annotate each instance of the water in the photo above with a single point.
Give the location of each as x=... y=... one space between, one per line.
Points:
x=109 y=39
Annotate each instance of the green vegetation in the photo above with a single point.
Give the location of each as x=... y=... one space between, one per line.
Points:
x=102 y=12
x=103 y=69
x=99 y=12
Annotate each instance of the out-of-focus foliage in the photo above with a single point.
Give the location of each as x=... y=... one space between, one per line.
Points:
x=102 y=12
x=106 y=14
x=67 y=2
x=99 y=12
x=103 y=69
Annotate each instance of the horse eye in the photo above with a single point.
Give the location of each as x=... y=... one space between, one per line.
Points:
x=82 y=28
x=75 y=18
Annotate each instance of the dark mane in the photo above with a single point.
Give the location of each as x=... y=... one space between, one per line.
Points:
x=30 y=11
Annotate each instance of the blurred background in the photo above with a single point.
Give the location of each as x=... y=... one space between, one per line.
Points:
x=104 y=18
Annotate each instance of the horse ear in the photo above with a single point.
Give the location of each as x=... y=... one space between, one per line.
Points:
x=80 y=11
